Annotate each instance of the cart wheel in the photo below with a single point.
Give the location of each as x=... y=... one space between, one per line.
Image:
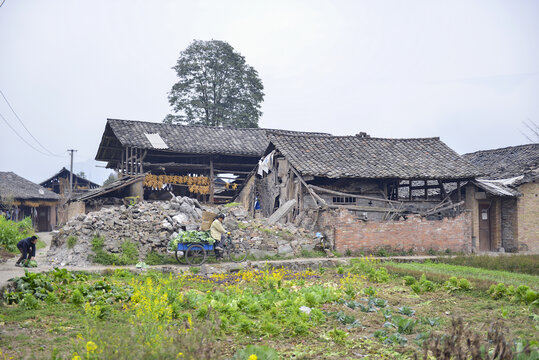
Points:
x=237 y=252
x=195 y=255
x=180 y=257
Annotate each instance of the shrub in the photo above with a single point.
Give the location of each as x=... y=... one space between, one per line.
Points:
x=378 y=275
x=409 y=280
x=12 y=232
x=71 y=241
x=128 y=255
x=154 y=258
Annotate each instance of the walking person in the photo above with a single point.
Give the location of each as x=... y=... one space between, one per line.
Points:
x=27 y=247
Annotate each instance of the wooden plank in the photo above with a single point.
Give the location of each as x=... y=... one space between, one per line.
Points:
x=250 y=166
x=365 y=208
x=174 y=164
x=321 y=189
x=223 y=197
x=430 y=212
x=230 y=171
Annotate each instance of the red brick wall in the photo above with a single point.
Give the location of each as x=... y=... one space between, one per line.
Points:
x=415 y=233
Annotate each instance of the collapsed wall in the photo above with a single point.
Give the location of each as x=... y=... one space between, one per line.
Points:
x=151 y=225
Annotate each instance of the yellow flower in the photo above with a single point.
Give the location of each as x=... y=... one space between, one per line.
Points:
x=253 y=357
x=76 y=356
x=180 y=355
x=91 y=346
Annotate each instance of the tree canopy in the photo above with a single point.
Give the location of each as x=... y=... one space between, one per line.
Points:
x=216 y=87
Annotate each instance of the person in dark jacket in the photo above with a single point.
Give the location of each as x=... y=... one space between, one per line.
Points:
x=27 y=247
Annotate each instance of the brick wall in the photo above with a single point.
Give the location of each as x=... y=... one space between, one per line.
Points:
x=528 y=215
x=416 y=233
x=509 y=224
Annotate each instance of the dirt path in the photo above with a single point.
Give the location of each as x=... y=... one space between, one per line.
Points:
x=8 y=270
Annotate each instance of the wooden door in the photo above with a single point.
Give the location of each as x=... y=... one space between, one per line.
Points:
x=43 y=220
x=484 y=227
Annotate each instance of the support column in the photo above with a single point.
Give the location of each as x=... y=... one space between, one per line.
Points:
x=211 y=180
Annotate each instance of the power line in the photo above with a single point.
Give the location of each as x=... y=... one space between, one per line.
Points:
x=2 y=3
x=24 y=126
x=23 y=139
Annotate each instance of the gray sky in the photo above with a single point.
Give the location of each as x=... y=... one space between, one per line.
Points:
x=467 y=71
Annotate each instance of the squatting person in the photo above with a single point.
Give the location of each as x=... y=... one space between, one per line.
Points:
x=27 y=247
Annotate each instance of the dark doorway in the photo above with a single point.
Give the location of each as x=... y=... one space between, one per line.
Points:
x=484 y=227
x=43 y=218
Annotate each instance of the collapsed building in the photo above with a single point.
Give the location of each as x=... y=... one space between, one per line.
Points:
x=366 y=193
x=204 y=162
x=504 y=200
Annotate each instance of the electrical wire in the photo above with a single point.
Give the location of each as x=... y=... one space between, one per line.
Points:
x=2 y=3
x=23 y=139
x=24 y=126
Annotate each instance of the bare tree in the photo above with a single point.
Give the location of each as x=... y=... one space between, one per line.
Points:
x=532 y=131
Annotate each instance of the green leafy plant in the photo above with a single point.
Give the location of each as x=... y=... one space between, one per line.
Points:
x=406 y=310
x=190 y=237
x=456 y=284
x=71 y=241
x=338 y=336
x=261 y=352
x=423 y=285
x=409 y=280
x=404 y=325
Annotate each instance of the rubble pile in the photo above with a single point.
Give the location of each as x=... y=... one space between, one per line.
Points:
x=151 y=225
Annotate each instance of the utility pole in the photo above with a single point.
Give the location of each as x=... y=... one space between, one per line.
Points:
x=71 y=151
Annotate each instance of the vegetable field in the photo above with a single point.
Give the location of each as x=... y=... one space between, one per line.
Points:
x=364 y=310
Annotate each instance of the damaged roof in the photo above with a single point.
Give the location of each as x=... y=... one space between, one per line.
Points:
x=117 y=184
x=506 y=162
x=13 y=185
x=187 y=139
x=367 y=157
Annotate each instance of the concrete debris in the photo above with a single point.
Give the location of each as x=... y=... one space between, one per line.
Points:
x=151 y=225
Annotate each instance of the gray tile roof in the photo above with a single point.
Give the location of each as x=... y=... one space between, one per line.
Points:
x=18 y=187
x=194 y=139
x=506 y=162
x=366 y=157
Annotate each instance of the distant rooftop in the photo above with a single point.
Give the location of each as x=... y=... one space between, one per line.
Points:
x=13 y=185
x=506 y=162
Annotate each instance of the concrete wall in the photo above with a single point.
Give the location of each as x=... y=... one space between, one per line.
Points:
x=416 y=233
x=528 y=217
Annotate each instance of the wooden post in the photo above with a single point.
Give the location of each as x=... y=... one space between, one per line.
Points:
x=458 y=191
x=211 y=180
x=410 y=190
x=397 y=192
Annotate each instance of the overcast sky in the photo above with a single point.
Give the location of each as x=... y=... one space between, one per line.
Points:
x=466 y=71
